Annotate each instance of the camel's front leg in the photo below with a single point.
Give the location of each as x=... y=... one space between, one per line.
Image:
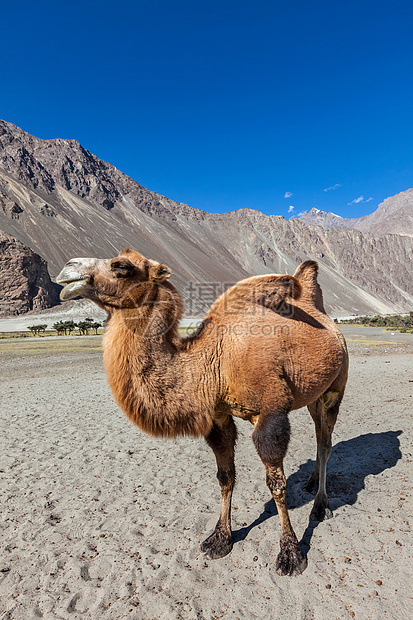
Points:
x=271 y=436
x=222 y=441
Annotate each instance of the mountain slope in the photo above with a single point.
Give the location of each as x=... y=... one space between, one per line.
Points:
x=62 y=201
x=393 y=216
x=24 y=280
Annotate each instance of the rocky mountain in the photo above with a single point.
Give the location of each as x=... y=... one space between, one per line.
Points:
x=25 y=283
x=62 y=201
x=393 y=216
x=329 y=220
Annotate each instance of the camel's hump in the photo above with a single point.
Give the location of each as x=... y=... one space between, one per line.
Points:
x=306 y=274
x=269 y=290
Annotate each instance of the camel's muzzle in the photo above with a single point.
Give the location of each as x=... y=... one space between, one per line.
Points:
x=74 y=277
x=73 y=289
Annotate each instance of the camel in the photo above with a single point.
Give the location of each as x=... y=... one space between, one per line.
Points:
x=266 y=347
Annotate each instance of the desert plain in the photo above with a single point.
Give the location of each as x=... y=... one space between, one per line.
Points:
x=99 y=521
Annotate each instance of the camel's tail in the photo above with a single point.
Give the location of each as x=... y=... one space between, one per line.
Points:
x=306 y=274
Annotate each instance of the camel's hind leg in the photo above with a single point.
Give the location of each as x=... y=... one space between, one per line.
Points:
x=324 y=413
x=271 y=436
x=222 y=440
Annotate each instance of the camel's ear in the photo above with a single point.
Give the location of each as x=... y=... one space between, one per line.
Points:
x=159 y=272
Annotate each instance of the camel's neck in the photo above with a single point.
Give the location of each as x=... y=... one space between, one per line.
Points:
x=154 y=379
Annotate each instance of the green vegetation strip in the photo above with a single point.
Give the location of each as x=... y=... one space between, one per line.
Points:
x=61 y=345
x=399 y=322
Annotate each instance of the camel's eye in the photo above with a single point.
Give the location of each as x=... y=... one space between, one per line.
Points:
x=123 y=268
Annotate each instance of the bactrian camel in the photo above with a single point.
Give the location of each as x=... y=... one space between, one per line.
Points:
x=265 y=348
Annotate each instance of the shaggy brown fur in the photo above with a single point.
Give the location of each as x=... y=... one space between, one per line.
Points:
x=266 y=347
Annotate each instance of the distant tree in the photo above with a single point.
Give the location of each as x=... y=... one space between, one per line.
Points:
x=87 y=324
x=69 y=326
x=59 y=327
x=83 y=327
x=36 y=329
x=95 y=325
x=391 y=321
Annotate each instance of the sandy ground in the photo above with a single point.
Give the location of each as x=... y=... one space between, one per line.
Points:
x=99 y=521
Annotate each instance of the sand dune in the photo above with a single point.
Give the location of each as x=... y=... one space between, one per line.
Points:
x=99 y=521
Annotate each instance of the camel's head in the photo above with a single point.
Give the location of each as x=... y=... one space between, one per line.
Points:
x=119 y=282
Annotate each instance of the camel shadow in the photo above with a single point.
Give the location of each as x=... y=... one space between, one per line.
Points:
x=350 y=463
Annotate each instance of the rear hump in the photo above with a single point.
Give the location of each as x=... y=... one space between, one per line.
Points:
x=306 y=274
x=269 y=291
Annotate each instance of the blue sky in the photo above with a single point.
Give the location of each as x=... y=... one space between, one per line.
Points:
x=223 y=104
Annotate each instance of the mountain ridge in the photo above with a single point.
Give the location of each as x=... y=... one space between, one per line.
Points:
x=393 y=216
x=62 y=201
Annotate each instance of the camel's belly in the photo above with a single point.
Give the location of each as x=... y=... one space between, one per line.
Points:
x=233 y=408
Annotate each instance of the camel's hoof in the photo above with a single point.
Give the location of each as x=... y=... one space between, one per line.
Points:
x=217 y=545
x=290 y=560
x=320 y=513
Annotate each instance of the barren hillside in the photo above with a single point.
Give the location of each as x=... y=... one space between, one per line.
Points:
x=62 y=201
x=393 y=216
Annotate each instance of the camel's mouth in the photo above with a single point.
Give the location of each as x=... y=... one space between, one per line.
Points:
x=73 y=287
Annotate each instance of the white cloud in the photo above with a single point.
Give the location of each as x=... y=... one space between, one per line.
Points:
x=327 y=189
x=356 y=200
x=299 y=214
x=290 y=209
x=288 y=194
x=359 y=199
